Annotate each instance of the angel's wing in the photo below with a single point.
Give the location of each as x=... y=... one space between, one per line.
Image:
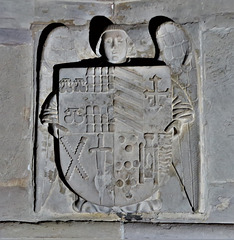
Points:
x=56 y=45
x=175 y=47
x=176 y=50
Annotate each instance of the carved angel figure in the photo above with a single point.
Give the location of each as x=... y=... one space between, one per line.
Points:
x=176 y=52
x=114 y=48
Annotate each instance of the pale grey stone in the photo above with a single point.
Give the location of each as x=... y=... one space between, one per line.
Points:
x=16 y=200
x=217 y=51
x=115 y=231
x=120 y=137
x=181 y=11
x=193 y=31
x=70 y=12
x=15 y=36
x=221 y=202
x=220 y=7
x=218 y=21
x=125 y=190
x=218 y=103
x=174 y=200
x=62 y=230
x=176 y=231
x=142 y=40
x=16 y=99
x=184 y=11
x=16 y=131
x=16 y=14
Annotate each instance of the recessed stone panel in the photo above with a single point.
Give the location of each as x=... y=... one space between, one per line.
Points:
x=124 y=126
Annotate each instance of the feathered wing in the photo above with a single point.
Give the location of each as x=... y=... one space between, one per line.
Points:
x=176 y=50
x=58 y=47
x=175 y=46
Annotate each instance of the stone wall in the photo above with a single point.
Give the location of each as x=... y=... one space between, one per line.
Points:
x=210 y=27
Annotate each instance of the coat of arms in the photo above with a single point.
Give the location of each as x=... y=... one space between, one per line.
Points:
x=114 y=120
x=114 y=141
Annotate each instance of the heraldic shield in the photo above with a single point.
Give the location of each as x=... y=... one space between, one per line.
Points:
x=113 y=148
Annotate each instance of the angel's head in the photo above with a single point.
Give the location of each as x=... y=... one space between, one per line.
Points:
x=114 y=44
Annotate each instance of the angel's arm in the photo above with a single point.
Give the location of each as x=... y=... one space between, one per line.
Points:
x=49 y=112
x=176 y=52
x=49 y=115
x=182 y=110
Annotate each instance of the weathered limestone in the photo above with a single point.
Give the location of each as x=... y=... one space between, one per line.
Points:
x=16 y=129
x=16 y=15
x=71 y=12
x=184 y=11
x=218 y=80
x=209 y=26
x=62 y=231
x=123 y=128
x=177 y=231
x=115 y=231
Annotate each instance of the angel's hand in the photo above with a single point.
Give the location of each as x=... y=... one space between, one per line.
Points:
x=54 y=128
x=174 y=126
x=49 y=111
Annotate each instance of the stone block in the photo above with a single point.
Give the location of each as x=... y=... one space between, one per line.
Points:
x=181 y=11
x=16 y=14
x=134 y=231
x=220 y=7
x=16 y=131
x=221 y=202
x=64 y=231
x=16 y=201
x=10 y=36
x=218 y=103
x=71 y=12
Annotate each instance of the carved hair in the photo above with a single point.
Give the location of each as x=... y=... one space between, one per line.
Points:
x=112 y=28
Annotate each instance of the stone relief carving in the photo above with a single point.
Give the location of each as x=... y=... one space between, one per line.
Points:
x=117 y=121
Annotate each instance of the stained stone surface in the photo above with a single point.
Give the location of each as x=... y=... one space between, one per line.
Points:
x=177 y=231
x=75 y=13
x=16 y=131
x=219 y=78
x=186 y=11
x=14 y=16
x=26 y=69
x=116 y=146
x=115 y=231
x=64 y=231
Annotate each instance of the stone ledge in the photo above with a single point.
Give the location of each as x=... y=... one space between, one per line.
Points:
x=113 y=231
x=61 y=230
x=177 y=231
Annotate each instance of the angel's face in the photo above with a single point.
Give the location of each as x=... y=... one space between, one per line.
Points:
x=115 y=46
